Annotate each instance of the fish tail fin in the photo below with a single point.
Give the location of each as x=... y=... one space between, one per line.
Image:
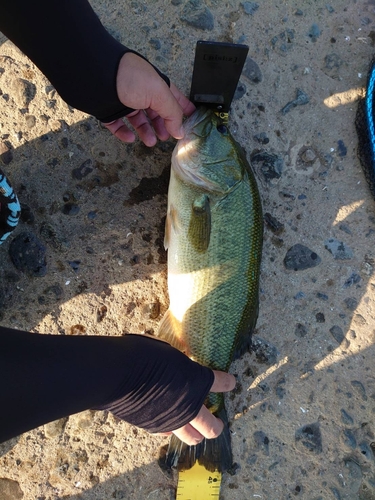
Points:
x=213 y=454
x=169 y=329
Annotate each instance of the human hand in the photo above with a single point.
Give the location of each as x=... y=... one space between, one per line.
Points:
x=159 y=109
x=205 y=424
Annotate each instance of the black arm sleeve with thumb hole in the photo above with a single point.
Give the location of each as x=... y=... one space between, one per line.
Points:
x=69 y=44
x=141 y=380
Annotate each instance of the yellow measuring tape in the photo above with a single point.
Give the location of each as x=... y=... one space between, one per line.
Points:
x=198 y=483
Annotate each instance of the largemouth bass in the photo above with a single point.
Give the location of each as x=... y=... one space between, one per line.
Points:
x=213 y=234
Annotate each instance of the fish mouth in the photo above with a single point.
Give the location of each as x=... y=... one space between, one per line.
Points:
x=195 y=119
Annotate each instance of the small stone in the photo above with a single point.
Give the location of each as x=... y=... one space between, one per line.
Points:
x=55 y=428
x=322 y=296
x=300 y=330
x=83 y=170
x=314 y=32
x=360 y=389
x=273 y=224
x=310 y=437
x=337 y=334
x=240 y=91
x=250 y=7
x=338 y=249
x=351 y=303
x=349 y=439
x=264 y=351
x=6 y=154
x=252 y=71
x=346 y=418
x=261 y=138
x=332 y=64
x=320 y=318
x=353 y=279
x=301 y=99
x=28 y=254
x=155 y=43
x=299 y=258
x=9 y=489
x=70 y=209
x=366 y=451
x=261 y=442
x=270 y=165
x=283 y=42
x=197 y=15
x=342 y=150
x=24 y=92
x=152 y=310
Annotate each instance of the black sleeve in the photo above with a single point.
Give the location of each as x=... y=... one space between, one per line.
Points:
x=68 y=43
x=141 y=380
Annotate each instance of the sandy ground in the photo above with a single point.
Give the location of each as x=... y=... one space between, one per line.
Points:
x=303 y=414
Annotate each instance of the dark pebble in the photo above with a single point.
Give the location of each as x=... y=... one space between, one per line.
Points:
x=197 y=15
x=322 y=296
x=252 y=71
x=51 y=295
x=6 y=154
x=155 y=43
x=366 y=451
x=261 y=138
x=351 y=303
x=300 y=330
x=250 y=7
x=70 y=209
x=280 y=388
x=26 y=214
x=352 y=280
x=261 y=442
x=360 y=388
x=332 y=64
x=349 y=439
x=283 y=42
x=240 y=91
x=344 y=227
x=314 y=32
x=336 y=493
x=92 y=215
x=342 y=150
x=320 y=318
x=270 y=165
x=338 y=249
x=301 y=99
x=337 y=334
x=310 y=437
x=74 y=264
x=273 y=224
x=28 y=254
x=83 y=170
x=346 y=418
x=264 y=351
x=299 y=258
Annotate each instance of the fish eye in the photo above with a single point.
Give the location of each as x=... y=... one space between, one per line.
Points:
x=222 y=129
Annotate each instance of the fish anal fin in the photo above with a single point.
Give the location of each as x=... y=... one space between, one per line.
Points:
x=169 y=330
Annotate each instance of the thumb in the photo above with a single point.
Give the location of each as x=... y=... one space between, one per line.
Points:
x=223 y=382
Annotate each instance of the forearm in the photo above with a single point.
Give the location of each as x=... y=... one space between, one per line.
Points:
x=68 y=43
x=46 y=377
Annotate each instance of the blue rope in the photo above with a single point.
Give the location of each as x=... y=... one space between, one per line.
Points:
x=370 y=111
x=10 y=203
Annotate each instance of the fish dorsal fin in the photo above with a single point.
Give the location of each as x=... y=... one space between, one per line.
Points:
x=170 y=331
x=200 y=223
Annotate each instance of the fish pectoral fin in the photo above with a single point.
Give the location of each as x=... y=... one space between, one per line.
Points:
x=199 y=232
x=169 y=330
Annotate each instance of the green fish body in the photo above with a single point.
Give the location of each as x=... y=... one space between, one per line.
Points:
x=213 y=235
